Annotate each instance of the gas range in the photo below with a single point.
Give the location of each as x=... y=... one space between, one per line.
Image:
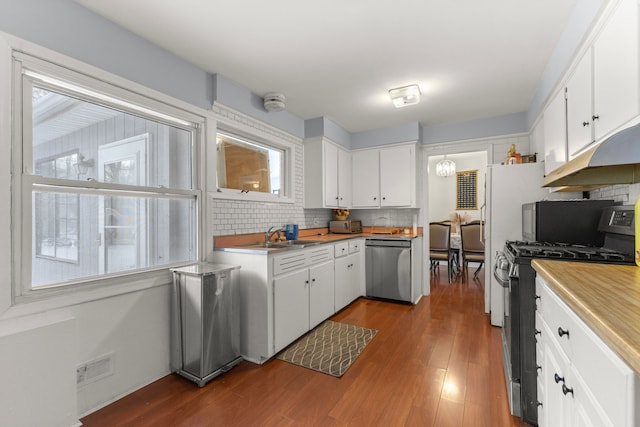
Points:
x=566 y=252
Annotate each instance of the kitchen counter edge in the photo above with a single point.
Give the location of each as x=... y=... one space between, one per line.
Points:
x=605 y=296
x=324 y=238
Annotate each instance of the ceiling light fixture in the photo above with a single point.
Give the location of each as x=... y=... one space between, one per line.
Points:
x=406 y=95
x=445 y=167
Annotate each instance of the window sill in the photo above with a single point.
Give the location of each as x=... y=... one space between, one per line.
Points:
x=56 y=298
x=250 y=197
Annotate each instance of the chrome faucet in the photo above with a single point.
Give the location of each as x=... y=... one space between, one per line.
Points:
x=269 y=234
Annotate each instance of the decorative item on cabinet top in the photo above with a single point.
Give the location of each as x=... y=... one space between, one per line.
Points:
x=341 y=214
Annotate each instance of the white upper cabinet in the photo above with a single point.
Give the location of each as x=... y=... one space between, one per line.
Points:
x=579 y=106
x=602 y=92
x=615 y=70
x=555 y=133
x=365 y=178
x=384 y=177
x=327 y=175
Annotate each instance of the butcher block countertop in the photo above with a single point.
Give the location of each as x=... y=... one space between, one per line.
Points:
x=606 y=297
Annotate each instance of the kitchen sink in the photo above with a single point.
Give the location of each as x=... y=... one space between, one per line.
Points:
x=286 y=244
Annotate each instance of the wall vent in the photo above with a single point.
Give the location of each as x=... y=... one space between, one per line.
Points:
x=95 y=369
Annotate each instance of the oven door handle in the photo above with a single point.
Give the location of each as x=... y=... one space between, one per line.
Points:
x=503 y=283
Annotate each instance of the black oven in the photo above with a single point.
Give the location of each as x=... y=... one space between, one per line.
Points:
x=518 y=279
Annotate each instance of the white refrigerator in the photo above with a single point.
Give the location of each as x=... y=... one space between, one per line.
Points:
x=507 y=188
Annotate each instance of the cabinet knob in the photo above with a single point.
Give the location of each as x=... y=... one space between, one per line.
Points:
x=375 y=198
x=557 y=378
x=566 y=390
x=537 y=296
x=336 y=197
x=384 y=198
x=595 y=117
x=585 y=124
x=562 y=332
x=538 y=332
x=538 y=368
x=538 y=403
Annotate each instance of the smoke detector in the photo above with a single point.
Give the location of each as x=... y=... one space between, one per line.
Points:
x=274 y=101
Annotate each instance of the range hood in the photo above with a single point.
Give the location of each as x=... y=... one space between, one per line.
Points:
x=616 y=160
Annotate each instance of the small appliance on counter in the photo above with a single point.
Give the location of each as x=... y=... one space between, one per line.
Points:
x=345 y=226
x=291 y=231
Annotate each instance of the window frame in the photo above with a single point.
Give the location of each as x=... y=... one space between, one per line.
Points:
x=259 y=134
x=105 y=89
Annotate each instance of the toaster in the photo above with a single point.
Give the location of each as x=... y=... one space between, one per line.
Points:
x=346 y=226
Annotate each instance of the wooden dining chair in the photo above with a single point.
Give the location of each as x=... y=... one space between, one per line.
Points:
x=440 y=246
x=472 y=246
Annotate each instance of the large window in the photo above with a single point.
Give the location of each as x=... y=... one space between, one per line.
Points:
x=108 y=183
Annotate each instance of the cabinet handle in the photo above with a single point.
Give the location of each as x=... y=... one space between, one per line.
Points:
x=566 y=390
x=585 y=124
x=595 y=117
x=562 y=332
x=557 y=378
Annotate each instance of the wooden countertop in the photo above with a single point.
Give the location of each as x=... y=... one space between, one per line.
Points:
x=317 y=234
x=606 y=297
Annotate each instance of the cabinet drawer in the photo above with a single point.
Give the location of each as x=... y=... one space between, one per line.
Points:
x=341 y=249
x=560 y=320
x=354 y=246
x=289 y=261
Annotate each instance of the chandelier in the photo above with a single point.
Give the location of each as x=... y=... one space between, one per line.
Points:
x=445 y=167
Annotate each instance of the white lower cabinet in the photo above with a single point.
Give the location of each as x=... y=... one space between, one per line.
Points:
x=349 y=274
x=291 y=307
x=581 y=381
x=285 y=294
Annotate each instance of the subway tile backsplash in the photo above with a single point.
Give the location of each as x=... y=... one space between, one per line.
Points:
x=624 y=193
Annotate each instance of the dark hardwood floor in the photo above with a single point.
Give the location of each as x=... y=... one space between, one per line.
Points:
x=437 y=363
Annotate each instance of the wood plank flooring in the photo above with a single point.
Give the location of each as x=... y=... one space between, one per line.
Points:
x=438 y=363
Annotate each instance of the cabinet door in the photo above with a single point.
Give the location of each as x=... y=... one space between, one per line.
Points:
x=579 y=106
x=330 y=165
x=615 y=70
x=321 y=296
x=342 y=275
x=365 y=176
x=290 y=307
x=557 y=406
x=344 y=178
x=356 y=277
x=397 y=187
x=555 y=133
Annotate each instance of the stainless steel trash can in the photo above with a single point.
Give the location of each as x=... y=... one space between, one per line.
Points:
x=205 y=330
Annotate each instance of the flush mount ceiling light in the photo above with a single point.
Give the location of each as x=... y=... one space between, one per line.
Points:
x=445 y=167
x=406 y=95
x=274 y=101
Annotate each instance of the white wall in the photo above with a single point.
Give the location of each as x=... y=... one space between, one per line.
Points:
x=442 y=190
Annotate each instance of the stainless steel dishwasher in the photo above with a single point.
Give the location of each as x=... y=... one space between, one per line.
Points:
x=388 y=268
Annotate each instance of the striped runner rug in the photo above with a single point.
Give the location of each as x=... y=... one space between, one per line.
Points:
x=330 y=348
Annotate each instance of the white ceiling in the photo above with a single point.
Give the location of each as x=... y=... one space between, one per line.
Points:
x=473 y=59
